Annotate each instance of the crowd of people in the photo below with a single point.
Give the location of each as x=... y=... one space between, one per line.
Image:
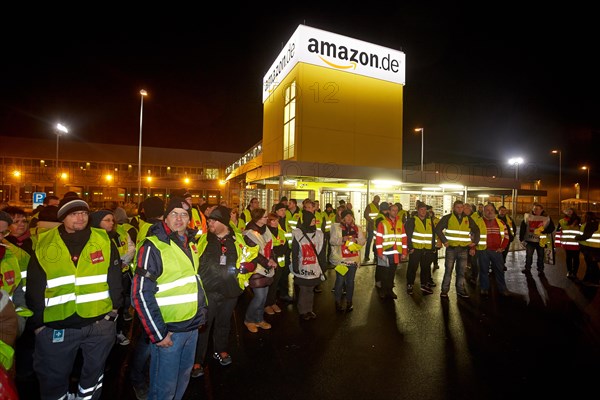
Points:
x=72 y=276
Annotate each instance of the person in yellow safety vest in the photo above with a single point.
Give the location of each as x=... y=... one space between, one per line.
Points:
x=245 y=214
x=438 y=242
x=284 y=283
x=233 y=221
x=8 y=336
x=292 y=216
x=459 y=234
x=510 y=226
x=569 y=226
x=225 y=268
x=198 y=220
x=533 y=234
x=384 y=211
x=472 y=272
x=74 y=290
x=590 y=247
x=371 y=212
x=104 y=219
x=169 y=299
x=391 y=249
x=329 y=215
x=347 y=238
x=420 y=240
x=13 y=271
x=320 y=216
x=281 y=251
x=493 y=239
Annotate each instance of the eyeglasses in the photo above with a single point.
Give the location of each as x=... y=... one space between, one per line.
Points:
x=78 y=214
x=175 y=215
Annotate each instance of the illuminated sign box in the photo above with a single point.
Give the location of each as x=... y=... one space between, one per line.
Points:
x=330 y=50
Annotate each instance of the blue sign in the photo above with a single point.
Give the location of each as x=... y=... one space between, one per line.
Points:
x=38 y=199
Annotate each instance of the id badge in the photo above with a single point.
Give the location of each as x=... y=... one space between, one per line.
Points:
x=58 y=336
x=223 y=259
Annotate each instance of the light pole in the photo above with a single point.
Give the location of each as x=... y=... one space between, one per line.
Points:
x=515 y=161
x=585 y=167
x=559 y=179
x=60 y=128
x=422 y=142
x=142 y=94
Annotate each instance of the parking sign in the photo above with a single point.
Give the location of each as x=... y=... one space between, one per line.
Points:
x=38 y=199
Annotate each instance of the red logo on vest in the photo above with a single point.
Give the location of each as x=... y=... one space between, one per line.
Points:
x=97 y=257
x=308 y=254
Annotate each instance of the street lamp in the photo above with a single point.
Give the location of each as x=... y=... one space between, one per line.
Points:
x=422 y=142
x=515 y=161
x=142 y=94
x=559 y=179
x=60 y=129
x=585 y=167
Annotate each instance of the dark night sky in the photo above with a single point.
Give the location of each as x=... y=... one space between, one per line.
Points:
x=486 y=83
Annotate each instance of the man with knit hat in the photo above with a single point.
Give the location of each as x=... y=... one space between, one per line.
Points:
x=225 y=267
x=169 y=299
x=74 y=290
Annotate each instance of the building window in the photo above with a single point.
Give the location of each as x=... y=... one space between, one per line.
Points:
x=289 y=122
x=211 y=173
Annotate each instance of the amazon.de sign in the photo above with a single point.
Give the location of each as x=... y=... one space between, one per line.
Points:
x=330 y=50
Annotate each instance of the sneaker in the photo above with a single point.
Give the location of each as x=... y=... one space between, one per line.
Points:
x=251 y=326
x=409 y=289
x=444 y=295
x=141 y=392
x=197 y=371
x=463 y=295
x=122 y=339
x=311 y=315
x=431 y=283
x=223 y=357
x=263 y=325
x=269 y=310
x=426 y=289
x=127 y=316
x=305 y=317
x=349 y=307
x=276 y=308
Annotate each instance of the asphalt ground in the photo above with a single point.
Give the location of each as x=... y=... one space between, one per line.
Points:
x=543 y=340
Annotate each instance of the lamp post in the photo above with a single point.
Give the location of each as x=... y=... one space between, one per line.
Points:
x=585 y=167
x=142 y=94
x=559 y=178
x=422 y=142
x=515 y=161
x=60 y=128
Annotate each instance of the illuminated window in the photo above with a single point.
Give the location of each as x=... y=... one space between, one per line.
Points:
x=211 y=173
x=289 y=122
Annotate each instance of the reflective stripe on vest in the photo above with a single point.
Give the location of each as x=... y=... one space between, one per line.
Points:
x=81 y=290
x=423 y=234
x=458 y=234
x=482 y=245
x=593 y=241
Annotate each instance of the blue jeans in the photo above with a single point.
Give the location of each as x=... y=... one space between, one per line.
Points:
x=455 y=255
x=171 y=367
x=139 y=358
x=495 y=258
x=346 y=280
x=256 y=308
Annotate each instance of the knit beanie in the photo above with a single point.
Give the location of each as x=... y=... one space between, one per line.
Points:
x=70 y=205
x=279 y=206
x=48 y=213
x=384 y=206
x=153 y=207
x=178 y=202
x=97 y=216
x=221 y=214
x=120 y=215
x=4 y=216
